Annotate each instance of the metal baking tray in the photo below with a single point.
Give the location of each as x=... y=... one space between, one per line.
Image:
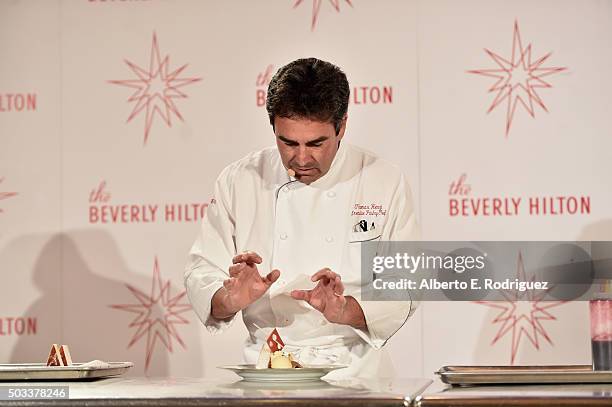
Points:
x=78 y=371
x=473 y=375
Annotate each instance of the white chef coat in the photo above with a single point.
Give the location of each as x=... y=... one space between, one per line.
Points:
x=300 y=229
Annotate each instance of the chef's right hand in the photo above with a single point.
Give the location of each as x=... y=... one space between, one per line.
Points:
x=244 y=286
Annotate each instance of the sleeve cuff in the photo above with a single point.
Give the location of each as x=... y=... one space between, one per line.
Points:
x=216 y=326
x=202 y=306
x=383 y=320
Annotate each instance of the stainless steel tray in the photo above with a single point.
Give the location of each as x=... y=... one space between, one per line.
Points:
x=78 y=371
x=471 y=375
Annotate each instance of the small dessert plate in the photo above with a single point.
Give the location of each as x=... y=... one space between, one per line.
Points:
x=306 y=373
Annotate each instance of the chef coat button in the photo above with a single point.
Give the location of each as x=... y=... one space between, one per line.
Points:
x=331 y=194
x=329 y=239
x=283 y=236
x=285 y=189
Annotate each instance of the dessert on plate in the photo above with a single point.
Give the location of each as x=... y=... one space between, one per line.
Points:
x=272 y=355
x=59 y=356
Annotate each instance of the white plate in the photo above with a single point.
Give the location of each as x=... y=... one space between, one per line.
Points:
x=40 y=371
x=308 y=373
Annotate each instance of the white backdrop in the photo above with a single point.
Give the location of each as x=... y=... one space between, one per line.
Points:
x=99 y=207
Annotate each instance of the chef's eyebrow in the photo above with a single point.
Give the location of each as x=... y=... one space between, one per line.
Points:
x=310 y=143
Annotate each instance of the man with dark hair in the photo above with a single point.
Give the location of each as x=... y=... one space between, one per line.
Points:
x=309 y=88
x=298 y=213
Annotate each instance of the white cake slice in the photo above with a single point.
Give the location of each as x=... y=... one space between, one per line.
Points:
x=264 y=357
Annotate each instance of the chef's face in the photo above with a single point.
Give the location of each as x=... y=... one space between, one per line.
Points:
x=307 y=147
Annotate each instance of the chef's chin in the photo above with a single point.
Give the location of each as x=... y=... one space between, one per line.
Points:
x=307 y=178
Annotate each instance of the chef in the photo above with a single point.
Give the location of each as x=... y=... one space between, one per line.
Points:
x=281 y=240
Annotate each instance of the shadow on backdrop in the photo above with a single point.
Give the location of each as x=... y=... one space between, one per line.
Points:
x=84 y=274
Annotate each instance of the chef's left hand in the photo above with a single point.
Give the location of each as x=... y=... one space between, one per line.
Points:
x=327 y=297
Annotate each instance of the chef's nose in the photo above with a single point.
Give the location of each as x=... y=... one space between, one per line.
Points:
x=302 y=156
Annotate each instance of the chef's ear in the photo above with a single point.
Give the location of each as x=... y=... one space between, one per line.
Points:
x=342 y=127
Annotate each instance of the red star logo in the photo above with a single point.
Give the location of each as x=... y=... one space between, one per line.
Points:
x=157 y=314
x=522 y=316
x=5 y=195
x=156 y=89
x=518 y=79
x=316 y=6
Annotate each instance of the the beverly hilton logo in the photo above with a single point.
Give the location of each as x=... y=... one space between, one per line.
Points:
x=518 y=78
x=156 y=88
x=156 y=315
x=521 y=314
x=463 y=202
x=104 y=210
x=316 y=7
x=5 y=195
